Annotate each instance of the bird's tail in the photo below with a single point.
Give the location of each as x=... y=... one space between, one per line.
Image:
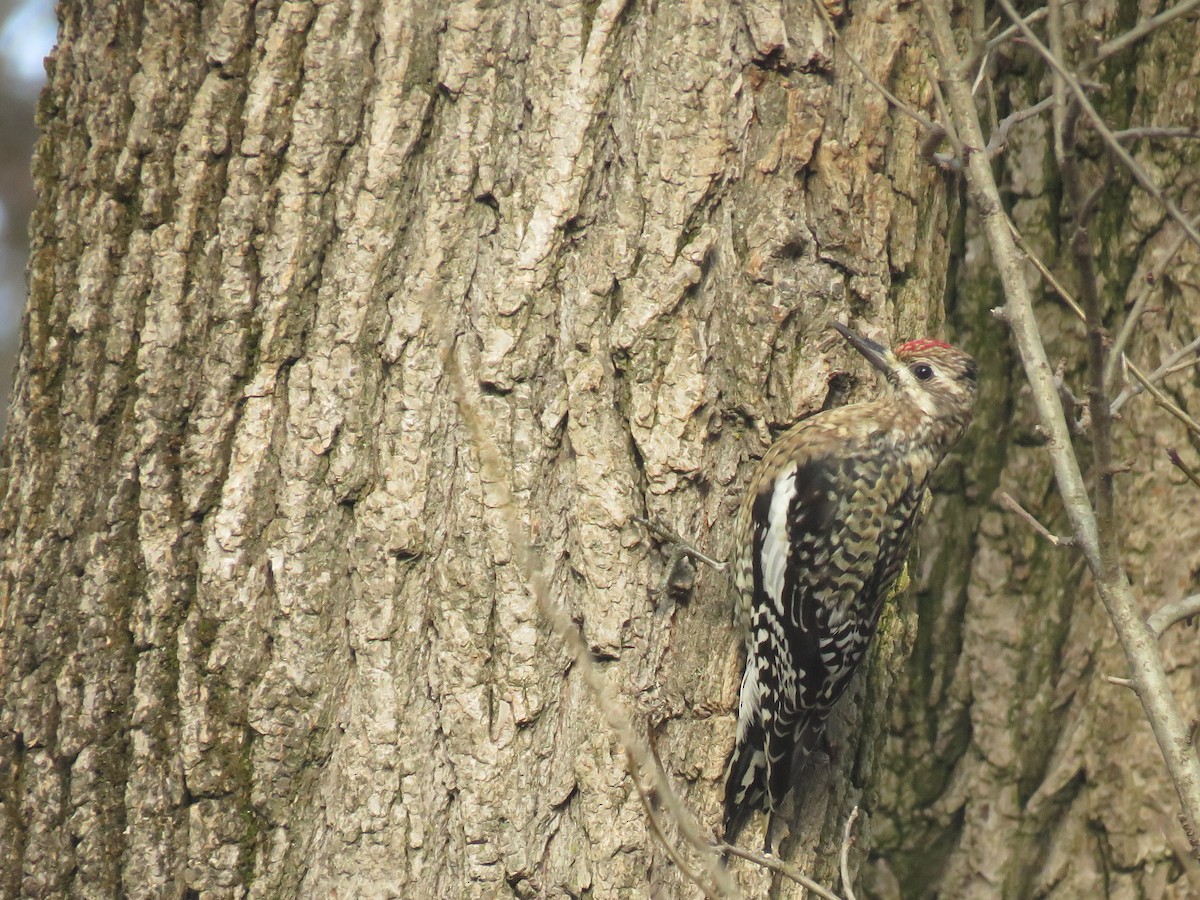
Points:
x=765 y=762
x=746 y=780
x=788 y=751
x=745 y=784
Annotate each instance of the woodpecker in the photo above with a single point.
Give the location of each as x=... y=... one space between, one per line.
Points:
x=821 y=535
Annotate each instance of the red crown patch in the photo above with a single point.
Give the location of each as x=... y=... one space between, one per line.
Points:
x=922 y=344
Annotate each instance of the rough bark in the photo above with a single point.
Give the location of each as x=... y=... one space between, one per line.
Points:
x=262 y=630
x=263 y=633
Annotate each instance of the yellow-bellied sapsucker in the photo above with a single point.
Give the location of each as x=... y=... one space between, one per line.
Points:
x=822 y=534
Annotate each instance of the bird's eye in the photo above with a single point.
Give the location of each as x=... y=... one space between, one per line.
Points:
x=923 y=371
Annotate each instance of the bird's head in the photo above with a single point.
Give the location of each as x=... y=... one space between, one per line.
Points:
x=927 y=375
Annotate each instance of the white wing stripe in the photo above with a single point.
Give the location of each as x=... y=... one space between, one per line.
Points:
x=775 y=541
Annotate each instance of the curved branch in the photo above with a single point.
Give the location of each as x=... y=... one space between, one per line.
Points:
x=844 y=857
x=1171 y=613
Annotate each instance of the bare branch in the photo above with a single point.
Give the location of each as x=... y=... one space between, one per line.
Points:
x=656 y=828
x=934 y=133
x=1072 y=82
x=999 y=137
x=844 y=858
x=1010 y=32
x=1045 y=271
x=1171 y=613
x=1162 y=400
x=1151 y=279
x=1168 y=366
x=1077 y=413
x=1120 y=682
x=928 y=124
x=1177 y=461
x=940 y=102
x=1007 y=499
x=1180 y=367
x=1141 y=30
x=663 y=533
x=1129 y=135
x=1058 y=86
x=777 y=865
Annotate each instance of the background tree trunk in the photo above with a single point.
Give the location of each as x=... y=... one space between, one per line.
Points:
x=1012 y=767
x=263 y=632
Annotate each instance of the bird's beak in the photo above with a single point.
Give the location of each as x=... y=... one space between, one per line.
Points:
x=876 y=355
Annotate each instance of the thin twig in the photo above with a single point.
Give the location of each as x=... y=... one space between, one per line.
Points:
x=1180 y=367
x=1082 y=252
x=980 y=74
x=1131 y=165
x=927 y=124
x=1088 y=207
x=1139 y=31
x=940 y=103
x=844 y=856
x=1120 y=682
x=1077 y=413
x=664 y=533
x=1149 y=282
x=1161 y=399
x=1046 y=273
x=1008 y=33
x=1136 y=134
x=1057 y=90
x=656 y=828
x=1167 y=367
x=670 y=800
x=1177 y=461
x=999 y=138
x=1171 y=613
x=777 y=865
x=993 y=115
x=1007 y=499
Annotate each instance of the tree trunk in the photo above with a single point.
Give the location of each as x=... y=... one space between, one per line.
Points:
x=263 y=629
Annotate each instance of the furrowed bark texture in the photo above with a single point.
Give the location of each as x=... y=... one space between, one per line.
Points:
x=1016 y=770
x=263 y=634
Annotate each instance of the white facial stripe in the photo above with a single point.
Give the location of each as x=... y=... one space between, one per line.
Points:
x=775 y=542
x=914 y=389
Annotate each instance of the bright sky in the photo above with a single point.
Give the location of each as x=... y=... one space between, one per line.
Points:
x=25 y=39
x=26 y=35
